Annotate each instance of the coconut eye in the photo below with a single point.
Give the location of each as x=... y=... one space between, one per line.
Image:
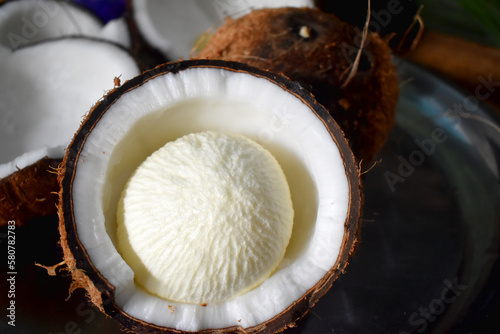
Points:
x=305 y=32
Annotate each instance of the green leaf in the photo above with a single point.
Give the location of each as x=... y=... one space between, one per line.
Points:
x=476 y=20
x=487 y=12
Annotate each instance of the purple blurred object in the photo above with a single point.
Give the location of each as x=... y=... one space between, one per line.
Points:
x=106 y=10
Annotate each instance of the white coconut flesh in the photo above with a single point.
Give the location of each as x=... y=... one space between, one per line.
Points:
x=175 y=27
x=204 y=218
x=199 y=99
x=45 y=91
x=24 y=22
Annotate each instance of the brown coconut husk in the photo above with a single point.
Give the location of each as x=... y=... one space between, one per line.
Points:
x=30 y=192
x=319 y=51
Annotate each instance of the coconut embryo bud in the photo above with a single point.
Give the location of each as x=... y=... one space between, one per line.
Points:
x=205 y=218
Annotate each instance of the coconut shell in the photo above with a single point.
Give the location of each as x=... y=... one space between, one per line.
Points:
x=30 y=192
x=102 y=294
x=317 y=50
x=148 y=56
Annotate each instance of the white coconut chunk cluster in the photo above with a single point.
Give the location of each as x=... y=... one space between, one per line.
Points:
x=205 y=218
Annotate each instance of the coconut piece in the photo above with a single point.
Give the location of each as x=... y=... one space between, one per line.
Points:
x=175 y=27
x=21 y=200
x=318 y=50
x=189 y=214
x=45 y=90
x=24 y=22
x=178 y=99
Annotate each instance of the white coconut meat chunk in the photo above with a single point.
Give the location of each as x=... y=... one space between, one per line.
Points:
x=169 y=106
x=24 y=22
x=45 y=91
x=174 y=27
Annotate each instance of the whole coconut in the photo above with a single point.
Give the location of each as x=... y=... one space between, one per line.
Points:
x=318 y=50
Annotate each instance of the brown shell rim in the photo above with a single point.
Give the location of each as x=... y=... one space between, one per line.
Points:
x=101 y=292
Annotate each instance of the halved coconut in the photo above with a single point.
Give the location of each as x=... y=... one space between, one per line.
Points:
x=175 y=27
x=45 y=90
x=174 y=209
x=24 y=22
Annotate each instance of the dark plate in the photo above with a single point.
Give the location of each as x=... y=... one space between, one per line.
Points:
x=427 y=260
